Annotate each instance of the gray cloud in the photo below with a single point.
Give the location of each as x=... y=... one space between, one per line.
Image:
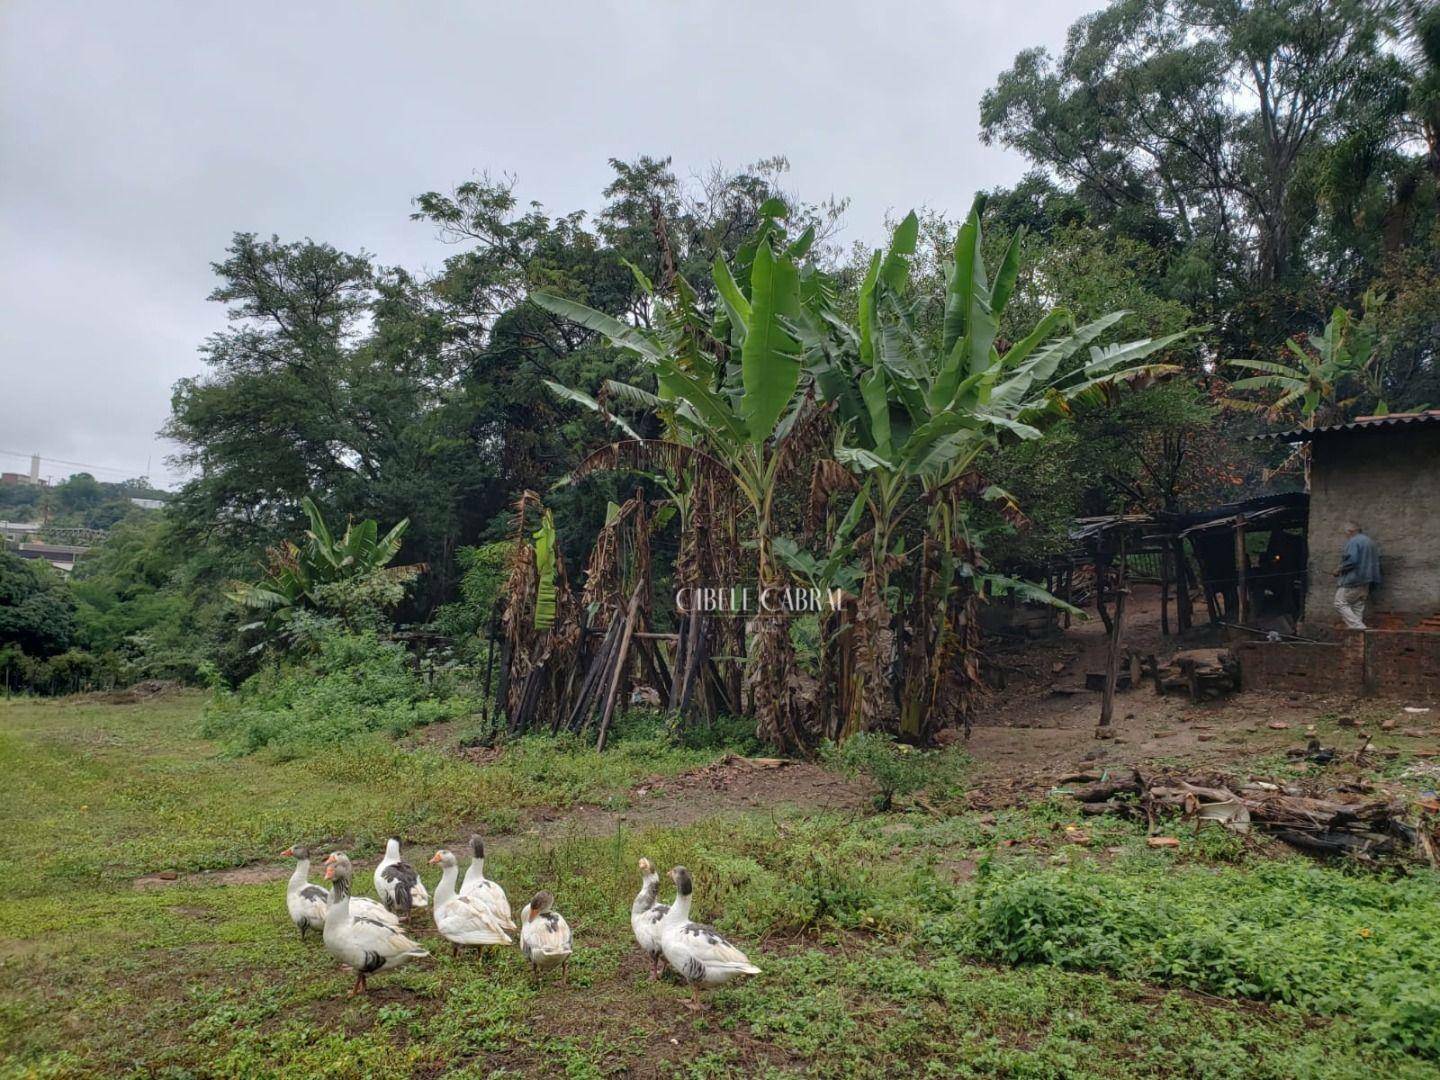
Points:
x=135 y=138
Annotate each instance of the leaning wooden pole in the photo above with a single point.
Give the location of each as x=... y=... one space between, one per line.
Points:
x=1242 y=566
x=1112 y=656
x=618 y=672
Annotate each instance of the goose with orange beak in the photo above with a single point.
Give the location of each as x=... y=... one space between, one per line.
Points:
x=363 y=944
x=461 y=919
x=363 y=905
x=701 y=956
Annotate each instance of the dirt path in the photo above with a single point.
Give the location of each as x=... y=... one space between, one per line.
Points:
x=1044 y=721
x=1040 y=726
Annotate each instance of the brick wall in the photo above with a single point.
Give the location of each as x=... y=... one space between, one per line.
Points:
x=1302 y=666
x=1388 y=480
x=1395 y=663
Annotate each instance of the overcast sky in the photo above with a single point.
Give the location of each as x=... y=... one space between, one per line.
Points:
x=135 y=138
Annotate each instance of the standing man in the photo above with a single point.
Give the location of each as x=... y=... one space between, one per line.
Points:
x=1359 y=571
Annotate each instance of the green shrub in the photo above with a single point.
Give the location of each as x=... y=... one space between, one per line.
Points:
x=482 y=576
x=898 y=770
x=1290 y=932
x=354 y=684
x=1046 y=918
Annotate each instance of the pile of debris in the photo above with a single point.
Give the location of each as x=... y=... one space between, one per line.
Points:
x=1204 y=674
x=1356 y=820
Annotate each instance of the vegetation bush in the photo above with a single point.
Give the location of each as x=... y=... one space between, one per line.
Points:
x=482 y=575
x=896 y=769
x=354 y=684
x=1288 y=931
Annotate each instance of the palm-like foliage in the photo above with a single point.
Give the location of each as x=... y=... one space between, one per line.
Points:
x=926 y=410
x=916 y=414
x=296 y=571
x=1313 y=382
x=727 y=397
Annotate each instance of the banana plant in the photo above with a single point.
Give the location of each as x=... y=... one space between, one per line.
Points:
x=927 y=408
x=295 y=571
x=1312 y=383
x=728 y=396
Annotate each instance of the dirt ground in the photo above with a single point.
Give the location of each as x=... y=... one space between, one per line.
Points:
x=1043 y=721
x=1039 y=727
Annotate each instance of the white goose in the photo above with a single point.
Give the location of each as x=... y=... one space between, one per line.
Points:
x=697 y=952
x=476 y=884
x=461 y=919
x=363 y=905
x=366 y=945
x=545 y=936
x=645 y=916
x=397 y=884
x=306 y=903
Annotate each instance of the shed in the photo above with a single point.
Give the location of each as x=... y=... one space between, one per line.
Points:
x=1382 y=472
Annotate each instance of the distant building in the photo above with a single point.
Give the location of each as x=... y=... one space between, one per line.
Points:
x=148 y=504
x=1383 y=473
x=18 y=531
x=61 y=556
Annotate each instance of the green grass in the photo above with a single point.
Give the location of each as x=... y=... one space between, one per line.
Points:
x=112 y=792
x=881 y=955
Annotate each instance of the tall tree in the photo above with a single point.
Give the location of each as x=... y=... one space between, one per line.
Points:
x=1192 y=117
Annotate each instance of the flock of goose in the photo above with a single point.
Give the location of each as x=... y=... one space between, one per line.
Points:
x=369 y=936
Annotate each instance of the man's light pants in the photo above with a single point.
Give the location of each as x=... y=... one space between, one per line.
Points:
x=1350 y=602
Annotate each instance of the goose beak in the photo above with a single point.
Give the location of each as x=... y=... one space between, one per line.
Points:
x=329 y=871
x=435 y=858
x=329 y=858
x=288 y=851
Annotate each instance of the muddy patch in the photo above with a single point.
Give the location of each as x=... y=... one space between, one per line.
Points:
x=732 y=785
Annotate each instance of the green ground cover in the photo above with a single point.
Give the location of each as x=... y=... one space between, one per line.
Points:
x=960 y=945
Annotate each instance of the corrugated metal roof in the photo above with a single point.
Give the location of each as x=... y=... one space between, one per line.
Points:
x=1364 y=423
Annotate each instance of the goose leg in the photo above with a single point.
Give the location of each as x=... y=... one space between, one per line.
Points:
x=565 y=972
x=359 y=987
x=694 y=1002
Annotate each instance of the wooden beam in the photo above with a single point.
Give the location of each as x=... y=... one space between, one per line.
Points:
x=1242 y=566
x=619 y=669
x=1112 y=658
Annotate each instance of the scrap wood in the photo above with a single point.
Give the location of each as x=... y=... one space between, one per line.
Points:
x=1372 y=825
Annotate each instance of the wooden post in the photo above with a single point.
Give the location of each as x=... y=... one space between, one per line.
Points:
x=1242 y=565
x=619 y=670
x=1112 y=658
x=1165 y=590
x=1183 y=616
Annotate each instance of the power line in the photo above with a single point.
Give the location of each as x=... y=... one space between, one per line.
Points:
x=77 y=464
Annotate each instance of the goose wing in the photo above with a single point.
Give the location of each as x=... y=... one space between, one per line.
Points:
x=397 y=879
x=313 y=901
x=548 y=935
x=381 y=938
x=468 y=922
x=364 y=907
x=487 y=892
x=705 y=944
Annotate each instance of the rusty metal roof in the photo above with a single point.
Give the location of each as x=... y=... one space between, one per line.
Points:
x=1363 y=423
